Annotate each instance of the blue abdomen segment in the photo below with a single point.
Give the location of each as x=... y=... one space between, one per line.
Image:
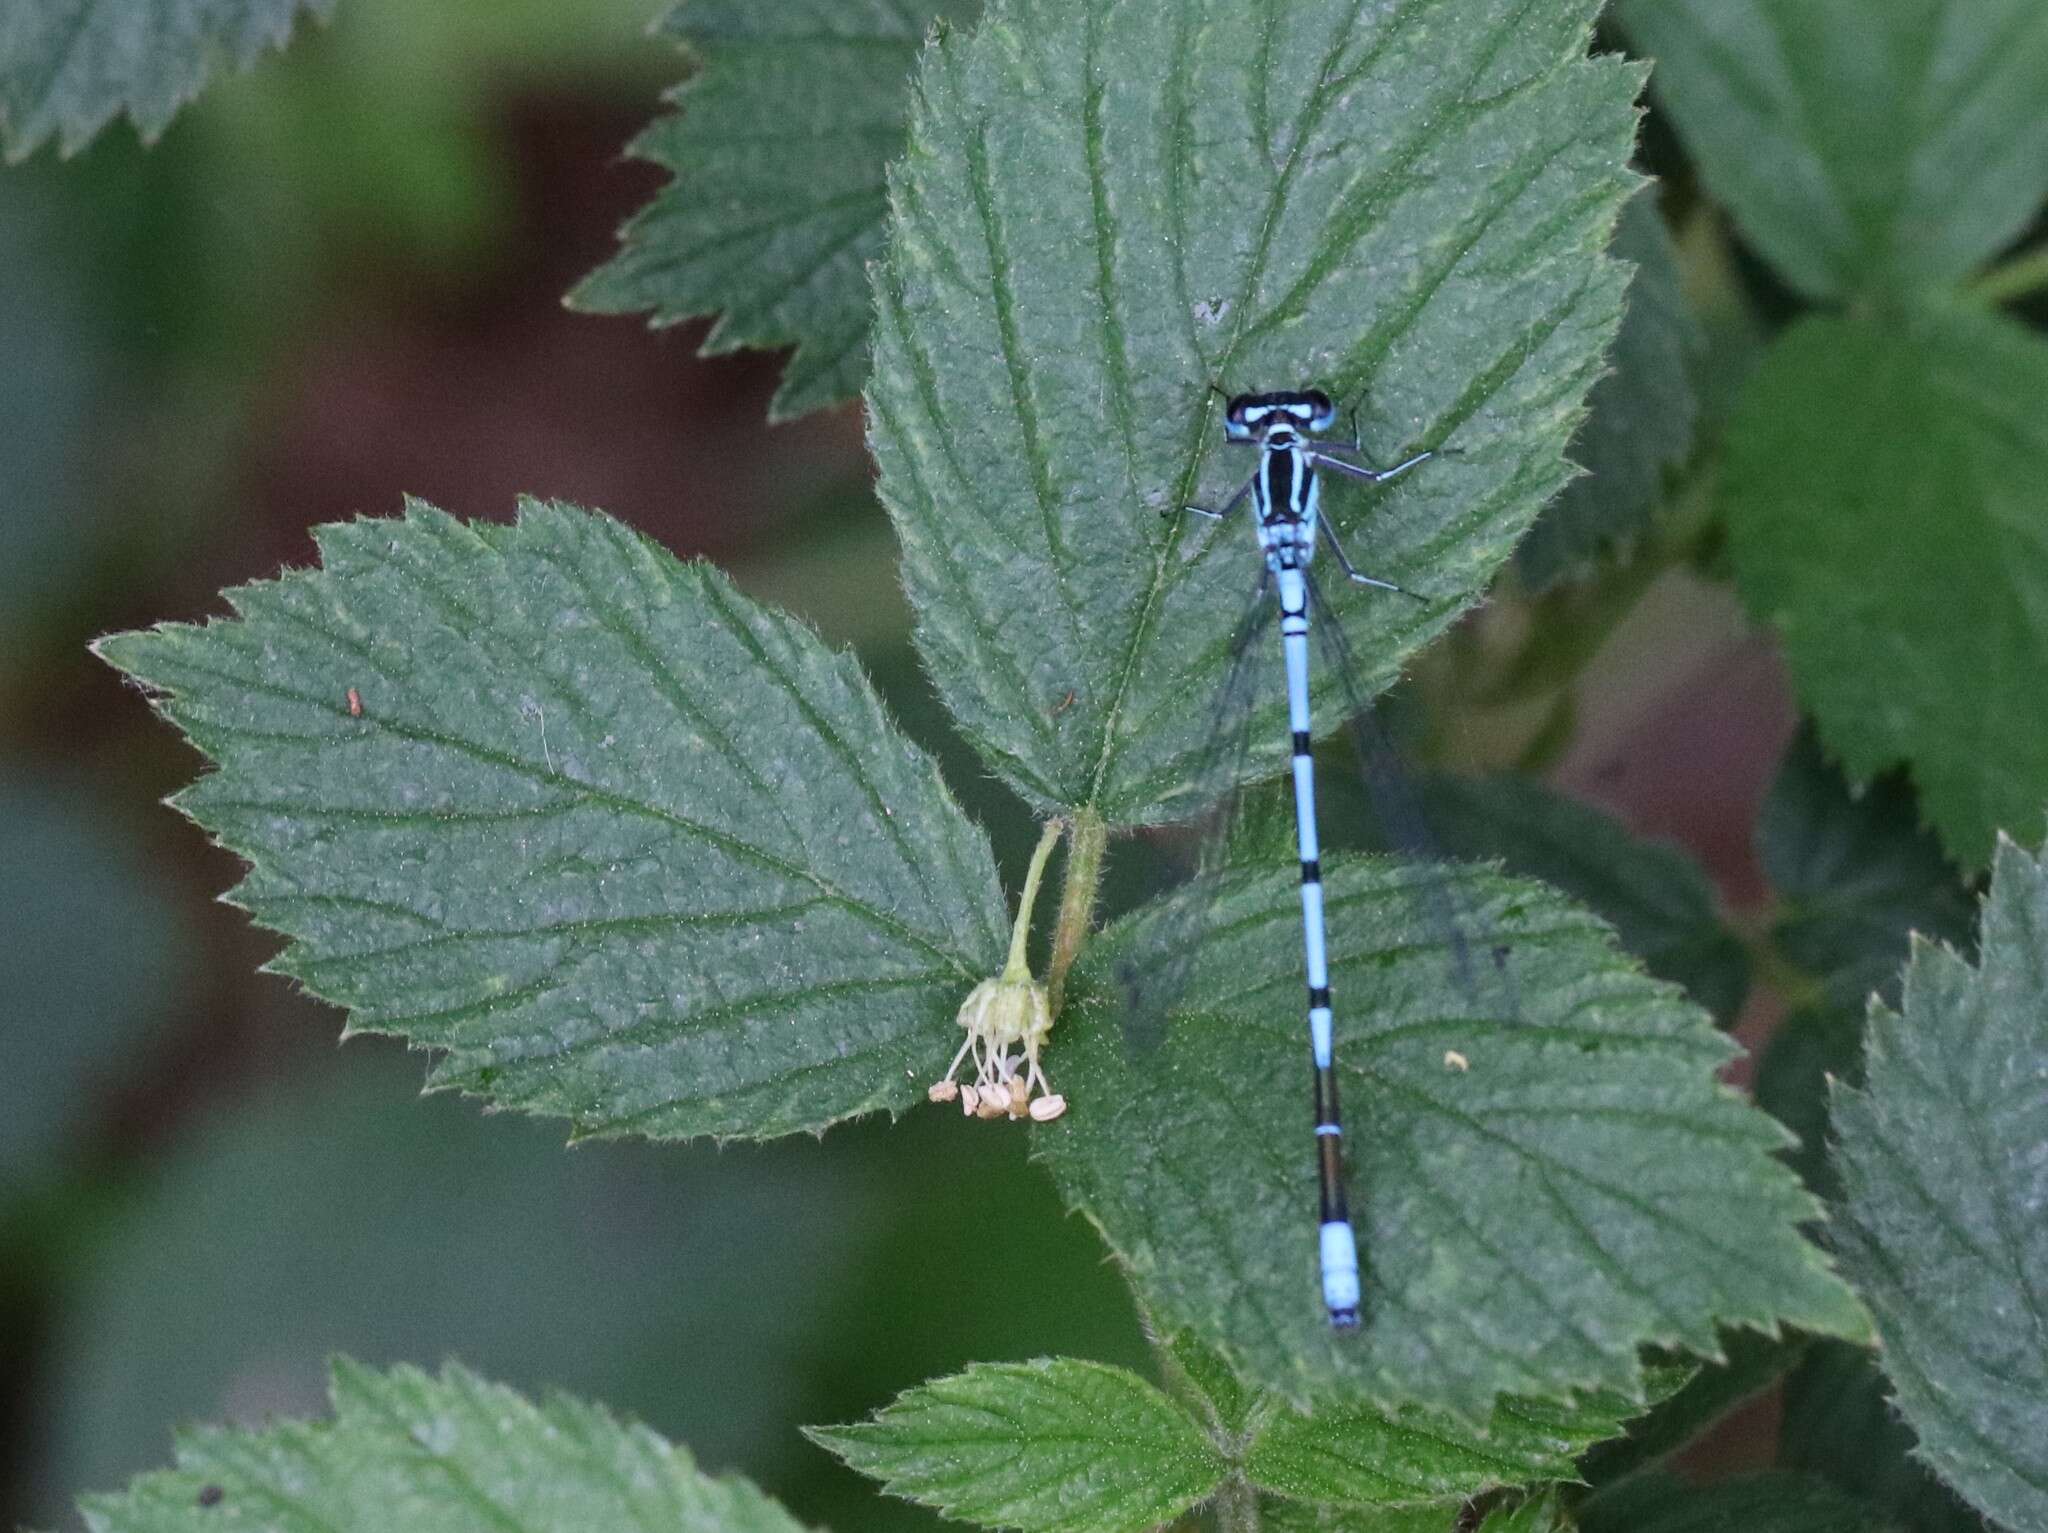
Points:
x=1340 y=1272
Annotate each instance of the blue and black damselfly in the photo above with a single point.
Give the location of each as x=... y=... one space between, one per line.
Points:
x=1289 y=431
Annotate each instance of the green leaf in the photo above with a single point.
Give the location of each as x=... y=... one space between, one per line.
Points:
x=1758 y=1503
x=629 y=848
x=1855 y=875
x=1838 y=1425
x=68 y=67
x=1407 y=205
x=1054 y=1446
x=437 y=1455
x=1356 y=1455
x=1641 y=415
x=1859 y=146
x=1542 y=1181
x=1883 y=498
x=1202 y=1378
x=1655 y=896
x=778 y=201
x=1945 y=1217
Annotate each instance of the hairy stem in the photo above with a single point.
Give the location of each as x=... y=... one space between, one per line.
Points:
x=1018 y=969
x=1090 y=837
x=1237 y=1506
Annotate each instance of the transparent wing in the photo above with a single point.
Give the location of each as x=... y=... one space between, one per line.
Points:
x=1486 y=981
x=1153 y=977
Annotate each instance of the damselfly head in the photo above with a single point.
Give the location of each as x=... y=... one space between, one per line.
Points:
x=1253 y=417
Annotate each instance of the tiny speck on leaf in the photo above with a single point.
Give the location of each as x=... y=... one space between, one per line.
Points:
x=211 y=1495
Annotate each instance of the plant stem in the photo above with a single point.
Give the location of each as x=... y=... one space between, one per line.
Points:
x=1018 y=969
x=1077 y=901
x=2018 y=278
x=1237 y=1506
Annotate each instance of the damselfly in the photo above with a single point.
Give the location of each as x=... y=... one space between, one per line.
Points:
x=1288 y=429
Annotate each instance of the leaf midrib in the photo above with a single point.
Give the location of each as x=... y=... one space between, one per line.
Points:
x=725 y=841
x=1165 y=573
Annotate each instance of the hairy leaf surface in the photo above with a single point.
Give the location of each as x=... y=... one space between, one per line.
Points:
x=1106 y=209
x=1053 y=1446
x=1945 y=1223
x=1395 y=1459
x=1860 y=146
x=69 y=67
x=630 y=848
x=777 y=205
x=1543 y=1178
x=1360 y=1456
x=1884 y=505
x=452 y=1454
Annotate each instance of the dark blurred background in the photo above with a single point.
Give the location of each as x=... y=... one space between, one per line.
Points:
x=337 y=281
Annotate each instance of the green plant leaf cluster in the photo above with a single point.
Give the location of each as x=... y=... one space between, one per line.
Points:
x=777 y=149
x=1944 y=1198
x=69 y=67
x=1881 y=493
x=1065 y=1445
x=627 y=847
x=440 y=1455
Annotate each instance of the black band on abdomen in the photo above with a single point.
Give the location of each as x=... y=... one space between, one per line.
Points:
x=1329 y=1147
